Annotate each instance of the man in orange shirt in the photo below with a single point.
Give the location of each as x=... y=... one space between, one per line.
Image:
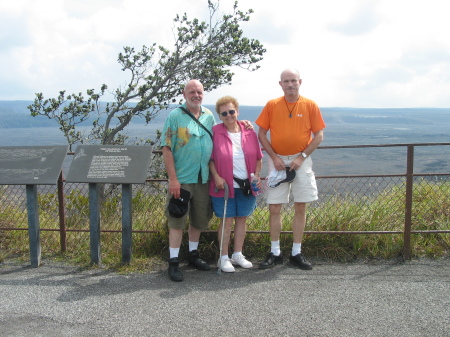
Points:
x=296 y=130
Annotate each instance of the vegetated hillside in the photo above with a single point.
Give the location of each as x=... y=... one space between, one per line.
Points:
x=14 y=114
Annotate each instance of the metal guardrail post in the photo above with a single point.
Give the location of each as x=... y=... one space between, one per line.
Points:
x=34 y=231
x=127 y=227
x=62 y=213
x=94 y=223
x=408 y=202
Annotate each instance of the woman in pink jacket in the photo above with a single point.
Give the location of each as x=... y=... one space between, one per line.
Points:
x=236 y=155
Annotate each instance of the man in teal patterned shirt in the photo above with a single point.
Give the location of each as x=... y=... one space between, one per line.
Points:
x=186 y=148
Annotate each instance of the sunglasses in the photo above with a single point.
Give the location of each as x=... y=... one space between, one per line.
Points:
x=225 y=113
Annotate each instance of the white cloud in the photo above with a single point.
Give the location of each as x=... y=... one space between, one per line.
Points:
x=359 y=53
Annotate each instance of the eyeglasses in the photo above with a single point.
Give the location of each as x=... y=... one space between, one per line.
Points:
x=225 y=113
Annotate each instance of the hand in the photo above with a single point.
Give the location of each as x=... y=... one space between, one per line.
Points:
x=174 y=189
x=278 y=164
x=220 y=182
x=296 y=163
x=248 y=125
x=259 y=183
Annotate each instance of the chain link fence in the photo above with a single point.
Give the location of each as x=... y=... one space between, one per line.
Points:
x=373 y=204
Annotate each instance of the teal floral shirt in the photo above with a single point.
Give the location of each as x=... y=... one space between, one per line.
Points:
x=191 y=145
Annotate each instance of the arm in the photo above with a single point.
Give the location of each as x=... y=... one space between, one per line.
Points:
x=298 y=161
x=174 y=185
x=277 y=161
x=217 y=178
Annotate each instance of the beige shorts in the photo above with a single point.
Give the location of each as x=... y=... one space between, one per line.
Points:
x=200 y=210
x=304 y=187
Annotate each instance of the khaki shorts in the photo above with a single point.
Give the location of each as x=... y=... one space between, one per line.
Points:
x=200 y=210
x=304 y=187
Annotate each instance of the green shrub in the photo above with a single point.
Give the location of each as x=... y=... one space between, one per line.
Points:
x=383 y=212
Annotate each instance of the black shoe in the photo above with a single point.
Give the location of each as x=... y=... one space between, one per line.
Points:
x=175 y=273
x=195 y=261
x=300 y=262
x=271 y=260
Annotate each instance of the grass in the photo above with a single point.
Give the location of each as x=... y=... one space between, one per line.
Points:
x=383 y=212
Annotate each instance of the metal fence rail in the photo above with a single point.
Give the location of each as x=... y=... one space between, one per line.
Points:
x=65 y=208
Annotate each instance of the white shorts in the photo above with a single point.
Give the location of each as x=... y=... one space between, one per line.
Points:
x=304 y=187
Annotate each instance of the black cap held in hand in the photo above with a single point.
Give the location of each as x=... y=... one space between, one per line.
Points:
x=179 y=207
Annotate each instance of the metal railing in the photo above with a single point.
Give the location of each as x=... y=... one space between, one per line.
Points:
x=65 y=200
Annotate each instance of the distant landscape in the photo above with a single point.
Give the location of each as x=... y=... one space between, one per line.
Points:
x=345 y=126
x=14 y=114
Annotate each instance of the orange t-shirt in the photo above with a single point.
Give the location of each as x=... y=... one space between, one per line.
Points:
x=290 y=135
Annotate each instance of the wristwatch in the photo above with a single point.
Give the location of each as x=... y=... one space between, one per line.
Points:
x=304 y=155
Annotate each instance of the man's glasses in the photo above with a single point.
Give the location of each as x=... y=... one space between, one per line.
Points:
x=225 y=113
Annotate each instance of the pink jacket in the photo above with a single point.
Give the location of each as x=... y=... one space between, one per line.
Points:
x=222 y=155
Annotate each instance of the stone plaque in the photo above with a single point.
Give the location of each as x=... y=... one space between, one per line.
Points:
x=31 y=165
x=119 y=164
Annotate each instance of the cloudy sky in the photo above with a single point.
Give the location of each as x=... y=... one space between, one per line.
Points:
x=351 y=53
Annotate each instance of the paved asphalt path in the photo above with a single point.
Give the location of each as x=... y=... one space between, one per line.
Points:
x=381 y=298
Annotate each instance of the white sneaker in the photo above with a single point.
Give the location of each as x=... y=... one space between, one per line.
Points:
x=226 y=266
x=241 y=261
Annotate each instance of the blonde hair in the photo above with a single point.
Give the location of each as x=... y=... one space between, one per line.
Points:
x=225 y=100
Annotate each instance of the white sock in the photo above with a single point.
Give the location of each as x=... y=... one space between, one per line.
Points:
x=174 y=252
x=275 y=247
x=236 y=255
x=224 y=257
x=296 y=248
x=193 y=246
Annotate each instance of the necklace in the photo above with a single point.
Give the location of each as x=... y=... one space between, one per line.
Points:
x=287 y=106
